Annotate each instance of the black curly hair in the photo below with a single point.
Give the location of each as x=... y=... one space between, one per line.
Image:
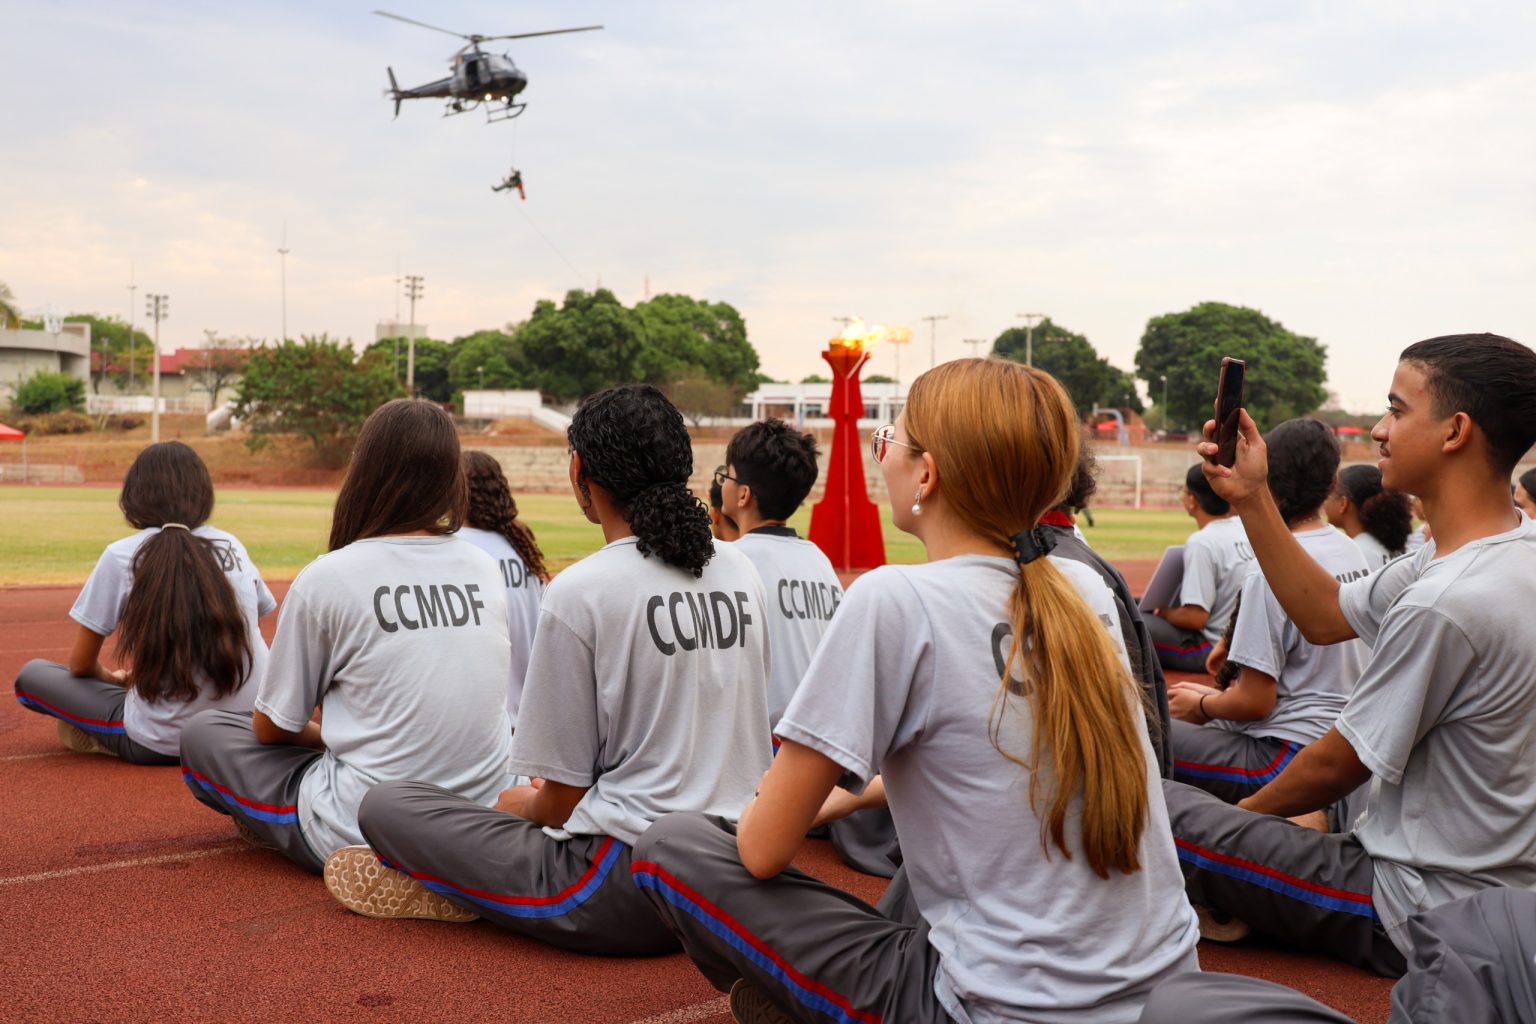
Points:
x=777 y=461
x=1303 y=458
x=492 y=507
x=1385 y=514
x=1085 y=482
x=634 y=445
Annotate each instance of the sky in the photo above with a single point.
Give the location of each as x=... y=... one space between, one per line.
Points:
x=1359 y=172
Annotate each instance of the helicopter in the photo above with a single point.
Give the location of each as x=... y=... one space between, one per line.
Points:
x=478 y=77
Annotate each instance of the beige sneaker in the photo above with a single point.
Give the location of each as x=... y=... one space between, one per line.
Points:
x=1220 y=927
x=78 y=740
x=750 y=1006
x=250 y=836
x=362 y=884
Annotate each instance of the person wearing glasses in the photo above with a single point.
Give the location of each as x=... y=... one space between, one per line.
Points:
x=646 y=693
x=722 y=526
x=1040 y=879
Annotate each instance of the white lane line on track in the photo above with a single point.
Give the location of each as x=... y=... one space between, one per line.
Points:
x=138 y=862
x=698 y=1011
x=33 y=757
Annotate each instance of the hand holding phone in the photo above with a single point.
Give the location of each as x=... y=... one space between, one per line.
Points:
x=1229 y=402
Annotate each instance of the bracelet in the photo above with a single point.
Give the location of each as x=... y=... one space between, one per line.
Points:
x=1201 y=706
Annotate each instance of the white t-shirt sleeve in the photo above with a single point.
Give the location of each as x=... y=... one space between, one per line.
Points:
x=99 y=607
x=857 y=703
x=557 y=734
x=1407 y=689
x=266 y=604
x=1200 y=574
x=298 y=668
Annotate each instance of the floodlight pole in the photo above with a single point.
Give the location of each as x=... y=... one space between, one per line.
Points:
x=159 y=307
x=282 y=251
x=1164 y=406
x=1030 y=320
x=132 y=309
x=975 y=344
x=413 y=287
x=933 y=338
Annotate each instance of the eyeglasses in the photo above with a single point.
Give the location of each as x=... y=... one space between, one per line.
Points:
x=721 y=476
x=881 y=440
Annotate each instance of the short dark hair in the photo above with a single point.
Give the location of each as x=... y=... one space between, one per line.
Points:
x=1200 y=489
x=1490 y=378
x=1528 y=481
x=1385 y=514
x=1085 y=482
x=404 y=475
x=1303 y=458
x=778 y=462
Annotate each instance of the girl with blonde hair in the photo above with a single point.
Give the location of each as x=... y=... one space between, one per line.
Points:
x=985 y=689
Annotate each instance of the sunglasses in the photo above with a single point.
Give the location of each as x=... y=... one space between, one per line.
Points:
x=881 y=440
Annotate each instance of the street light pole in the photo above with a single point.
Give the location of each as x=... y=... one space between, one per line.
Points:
x=413 y=289
x=1164 y=405
x=1030 y=320
x=975 y=344
x=933 y=338
x=158 y=309
x=133 y=308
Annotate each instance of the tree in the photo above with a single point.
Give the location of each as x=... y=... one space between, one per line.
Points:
x=815 y=378
x=686 y=337
x=46 y=391
x=116 y=355
x=1285 y=370
x=588 y=343
x=1071 y=359
x=221 y=364
x=432 y=358
x=698 y=395
x=10 y=308
x=879 y=378
x=317 y=388
x=498 y=353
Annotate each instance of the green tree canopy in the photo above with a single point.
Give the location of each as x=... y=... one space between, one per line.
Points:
x=687 y=338
x=432 y=359
x=1285 y=370
x=317 y=388
x=499 y=352
x=1071 y=359
x=590 y=342
x=10 y=307
x=46 y=391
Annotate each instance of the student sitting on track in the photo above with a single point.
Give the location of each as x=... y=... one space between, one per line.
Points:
x=1216 y=560
x=1043 y=882
x=1377 y=518
x=1525 y=493
x=1444 y=715
x=185 y=600
x=491 y=524
x=1231 y=742
x=647 y=693
x=398 y=635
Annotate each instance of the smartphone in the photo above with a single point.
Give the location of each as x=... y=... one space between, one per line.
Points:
x=1229 y=402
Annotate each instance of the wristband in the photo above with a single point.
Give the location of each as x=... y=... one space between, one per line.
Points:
x=1201 y=706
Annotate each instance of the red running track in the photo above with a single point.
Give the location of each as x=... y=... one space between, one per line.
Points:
x=123 y=899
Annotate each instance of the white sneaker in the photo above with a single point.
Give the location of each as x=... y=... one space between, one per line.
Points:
x=361 y=883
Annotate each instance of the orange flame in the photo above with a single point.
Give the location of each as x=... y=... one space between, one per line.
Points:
x=859 y=336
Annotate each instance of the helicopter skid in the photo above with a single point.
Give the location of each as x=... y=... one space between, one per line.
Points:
x=504 y=113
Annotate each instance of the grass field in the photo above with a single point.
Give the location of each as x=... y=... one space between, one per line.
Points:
x=55 y=534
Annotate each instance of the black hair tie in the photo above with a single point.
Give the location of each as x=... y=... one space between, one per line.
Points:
x=1029 y=545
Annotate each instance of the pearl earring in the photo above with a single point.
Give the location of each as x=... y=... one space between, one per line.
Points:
x=917 y=502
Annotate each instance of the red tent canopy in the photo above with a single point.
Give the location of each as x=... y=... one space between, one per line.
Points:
x=1348 y=431
x=11 y=434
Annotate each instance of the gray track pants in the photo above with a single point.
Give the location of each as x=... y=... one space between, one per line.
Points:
x=92 y=705
x=1230 y=765
x=575 y=894
x=1471 y=962
x=814 y=950
x=866 y=841
x=1311 y=889
x=1177 y=650
x=229 y=769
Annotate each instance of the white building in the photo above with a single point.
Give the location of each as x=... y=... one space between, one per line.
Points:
x=806 y=404
x=23 y=353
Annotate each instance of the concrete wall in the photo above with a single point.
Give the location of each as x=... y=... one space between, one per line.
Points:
x=23 y=353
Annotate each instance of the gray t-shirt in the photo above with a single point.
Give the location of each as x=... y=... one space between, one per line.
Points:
x=1444 y=716
x=402 y=642
x=1312 y=683
x=904 y=686
x=1216 y=558
x=1375 y=552
x=99 y=608
x=802 y=590
x=524 y=592
x=650 y=687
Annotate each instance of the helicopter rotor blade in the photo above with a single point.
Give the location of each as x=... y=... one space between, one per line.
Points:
x=422 y=24
x=551 y=32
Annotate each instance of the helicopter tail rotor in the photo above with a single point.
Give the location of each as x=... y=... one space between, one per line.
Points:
x=394 y=90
